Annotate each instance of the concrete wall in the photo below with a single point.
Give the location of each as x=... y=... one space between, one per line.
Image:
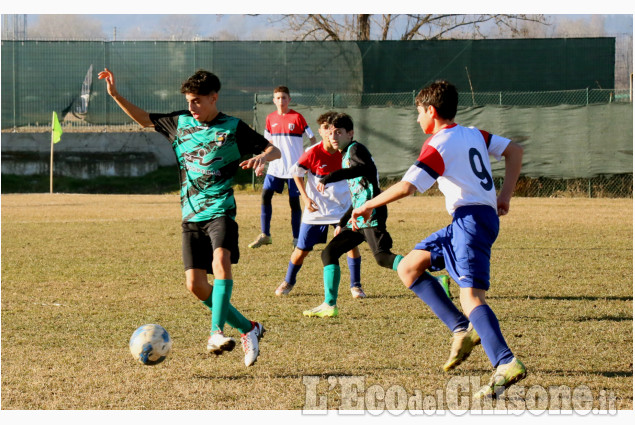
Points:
x=86 y=155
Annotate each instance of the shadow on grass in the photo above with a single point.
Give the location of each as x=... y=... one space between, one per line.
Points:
x=567 y=298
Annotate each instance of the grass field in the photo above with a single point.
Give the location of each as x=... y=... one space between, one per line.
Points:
x=81 y=272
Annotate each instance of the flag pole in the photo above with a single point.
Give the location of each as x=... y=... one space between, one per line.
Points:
x=51 y=167
x=56 y=135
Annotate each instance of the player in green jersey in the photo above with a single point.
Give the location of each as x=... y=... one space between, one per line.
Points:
x=209 y=146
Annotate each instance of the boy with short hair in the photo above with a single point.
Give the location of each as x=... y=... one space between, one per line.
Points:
x=208 y=146
x=457 y=158
x=322 y=209
x=284 y=128
x=360 y=172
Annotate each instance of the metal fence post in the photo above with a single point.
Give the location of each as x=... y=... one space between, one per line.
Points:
x=15 y=94
x=253 y=172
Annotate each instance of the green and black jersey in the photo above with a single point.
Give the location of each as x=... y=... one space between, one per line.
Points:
x=208 y=155
x=359 y=169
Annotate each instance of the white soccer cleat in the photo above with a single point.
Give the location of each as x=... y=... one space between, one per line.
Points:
x=251 y=345
x=358 y=292
x=218 y=343
x=261 y=240
x=283 y=289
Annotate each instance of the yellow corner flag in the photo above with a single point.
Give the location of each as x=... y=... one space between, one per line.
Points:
x=57 y=129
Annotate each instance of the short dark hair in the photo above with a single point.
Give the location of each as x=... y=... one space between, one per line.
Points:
x=326 y=117
x=202 y=83
x=442 y=95
x=342 y=120
x=282 y=89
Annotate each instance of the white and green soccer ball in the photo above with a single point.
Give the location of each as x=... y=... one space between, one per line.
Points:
x=150 y=344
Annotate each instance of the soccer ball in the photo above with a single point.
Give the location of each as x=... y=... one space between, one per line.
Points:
x=150 y=344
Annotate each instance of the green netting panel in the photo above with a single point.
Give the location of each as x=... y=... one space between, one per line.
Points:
x=490 y=65
x=39 y=77
x=560 y=142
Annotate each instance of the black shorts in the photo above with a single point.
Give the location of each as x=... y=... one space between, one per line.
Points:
x=378 y=240
x=200 y=239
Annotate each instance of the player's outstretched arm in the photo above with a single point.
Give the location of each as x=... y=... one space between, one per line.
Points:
x=513 y=155
x=258 y=162
x=393 y=193
x=140 y=116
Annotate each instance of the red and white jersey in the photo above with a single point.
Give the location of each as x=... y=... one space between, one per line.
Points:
x=458 y=158
x=285 y=132
x=316 y=163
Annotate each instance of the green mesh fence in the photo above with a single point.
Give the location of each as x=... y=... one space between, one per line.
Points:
x=583 y=149
x=579 y=136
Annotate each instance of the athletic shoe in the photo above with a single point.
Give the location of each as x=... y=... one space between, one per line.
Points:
x=323 y=310
x=444 y=281
x=219 y=343
x=261 y=240
x=504 y=376
x=250 y=340
x=283 y=289
x=357 y=292
x=462 y=344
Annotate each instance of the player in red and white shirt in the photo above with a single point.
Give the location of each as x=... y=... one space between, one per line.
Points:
x=321 y=209
x=458 y=159
x=285 y=129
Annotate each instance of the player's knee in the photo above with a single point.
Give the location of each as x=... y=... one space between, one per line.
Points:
x=385 y=259
x=221 y=263
x=329 y=257
x=194 y=283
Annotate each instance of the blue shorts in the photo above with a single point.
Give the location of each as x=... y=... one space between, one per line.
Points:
x=464 y=247
x=312 y=234
x=277 y=185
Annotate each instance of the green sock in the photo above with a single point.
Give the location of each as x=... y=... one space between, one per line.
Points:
x=237 y=321
x=234 y=318
x=395 y=263
x=209 y=302
x=221 y=294
x=331 y=283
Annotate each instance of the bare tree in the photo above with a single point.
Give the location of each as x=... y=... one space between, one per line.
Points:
x=169 y=27
x=402 y=27
x=66 y=27
x=178 y=28
x=593 y=27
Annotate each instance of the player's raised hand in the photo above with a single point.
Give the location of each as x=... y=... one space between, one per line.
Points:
x=110 y=81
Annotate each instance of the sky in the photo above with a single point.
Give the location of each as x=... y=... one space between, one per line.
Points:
x=237 y=16
x=261 y=26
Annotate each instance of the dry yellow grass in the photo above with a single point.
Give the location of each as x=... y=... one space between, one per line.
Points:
x=81 y=272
